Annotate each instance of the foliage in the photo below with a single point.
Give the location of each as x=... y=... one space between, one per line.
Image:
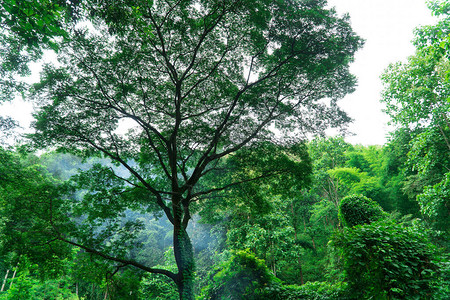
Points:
x=357 y=210
x=27 y=27
x=435 y=207
x=27 y=285
x=30 y=200
x=416 y=95
x=241 y=276
x=385 y=260
x=170 y=107
x=310 y=290
x=417 y=98
x=159 y=287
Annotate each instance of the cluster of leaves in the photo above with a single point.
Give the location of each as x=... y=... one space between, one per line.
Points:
x=241 y=276
x=435 y=207
x=358 y=210
x=159 y=287
x=27 y=27
x=417 y=96
x=387 y=260
x=32 y=202
x=28 y=286
x=310 y=290
x=382 y=258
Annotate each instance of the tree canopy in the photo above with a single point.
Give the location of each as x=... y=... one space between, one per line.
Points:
x=168 y=89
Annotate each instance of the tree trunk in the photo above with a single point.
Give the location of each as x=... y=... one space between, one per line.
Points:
x=184 y=257
x=14 y=275
x=301 y=271
x=444 y=136
x=4 y=281
x=313 y=242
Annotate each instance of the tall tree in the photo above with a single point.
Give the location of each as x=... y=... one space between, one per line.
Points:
x=417 y=96
x=193 y=82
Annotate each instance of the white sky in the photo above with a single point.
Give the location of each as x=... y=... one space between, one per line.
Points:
x=387 y=26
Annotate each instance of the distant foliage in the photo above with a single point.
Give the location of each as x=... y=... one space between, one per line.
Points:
x=385 y=260
x=357 y=210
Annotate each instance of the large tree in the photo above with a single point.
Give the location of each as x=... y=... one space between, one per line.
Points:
x=417 y=97
x=169 y=89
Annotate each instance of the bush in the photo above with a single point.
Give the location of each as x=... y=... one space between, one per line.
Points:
x=158 y=286
x=358 y=210
x=385 y=260
x=310 y=290
x=242 y=276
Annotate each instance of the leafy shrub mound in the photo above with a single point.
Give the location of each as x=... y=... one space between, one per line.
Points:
x=358 y=209
x=240 y=277
x=385 y=260
x=244 y=276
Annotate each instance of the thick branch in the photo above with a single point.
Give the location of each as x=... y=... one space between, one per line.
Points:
x=169 y=274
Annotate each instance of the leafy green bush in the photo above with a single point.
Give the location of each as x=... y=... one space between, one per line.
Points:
x=358 y=209
x=385 y=260
x=310 y=290
x=27 y=287
x=242 y=276
x=157 y=286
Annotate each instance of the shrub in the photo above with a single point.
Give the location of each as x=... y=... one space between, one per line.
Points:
x=358 y=209
x=240 y=277
x=310 y=290
x=385 y=260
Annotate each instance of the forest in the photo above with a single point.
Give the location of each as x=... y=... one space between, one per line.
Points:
x=179 y=151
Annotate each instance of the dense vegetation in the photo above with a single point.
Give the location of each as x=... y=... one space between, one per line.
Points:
x=170 y=157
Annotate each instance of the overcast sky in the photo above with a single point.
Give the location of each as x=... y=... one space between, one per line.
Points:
x=387 y=26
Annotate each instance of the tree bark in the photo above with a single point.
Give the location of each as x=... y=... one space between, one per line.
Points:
x=4 y=281
x=182 y=248
x=313 y=242
x=301 y=271
x=14 y=275
x=184 y=257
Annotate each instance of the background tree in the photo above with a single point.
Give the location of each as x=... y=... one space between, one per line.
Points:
x=417 y=97
x=196 y=82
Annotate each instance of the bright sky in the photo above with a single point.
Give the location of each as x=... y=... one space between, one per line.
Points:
x=387 y=26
